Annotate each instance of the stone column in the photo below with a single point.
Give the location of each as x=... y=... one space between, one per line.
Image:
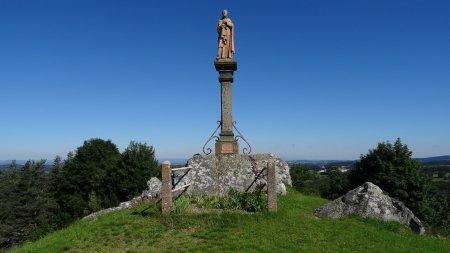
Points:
x=271 y=188
x=166 y=188
x=226 y=143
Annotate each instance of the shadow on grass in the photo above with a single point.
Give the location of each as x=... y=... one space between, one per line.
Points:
x=148 y=209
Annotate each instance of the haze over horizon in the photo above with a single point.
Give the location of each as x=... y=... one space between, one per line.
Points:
x=316 y=80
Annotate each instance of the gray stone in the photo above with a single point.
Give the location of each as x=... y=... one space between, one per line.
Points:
x=123 y=205
x=216 y=175
x=153 y=189
x=369 y=201
x=281 y=189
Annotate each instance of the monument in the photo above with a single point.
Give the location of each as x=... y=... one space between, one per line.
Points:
x=215 y=174
x=225 y=65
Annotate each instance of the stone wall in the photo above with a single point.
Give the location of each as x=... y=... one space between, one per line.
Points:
x=216 y=175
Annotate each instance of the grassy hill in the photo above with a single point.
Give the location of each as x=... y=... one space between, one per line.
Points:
x=292 y=229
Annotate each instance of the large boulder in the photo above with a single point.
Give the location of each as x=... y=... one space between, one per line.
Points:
x=368 y=200
x=213 y=175
x=153 y=189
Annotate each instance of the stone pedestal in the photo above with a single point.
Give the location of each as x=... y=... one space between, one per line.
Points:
x=227 y=147
x=226 y=143
x=215 y=175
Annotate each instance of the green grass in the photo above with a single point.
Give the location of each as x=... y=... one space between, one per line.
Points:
x=292 y=229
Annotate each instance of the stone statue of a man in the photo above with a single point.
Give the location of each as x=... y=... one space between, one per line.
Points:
x=225 y=28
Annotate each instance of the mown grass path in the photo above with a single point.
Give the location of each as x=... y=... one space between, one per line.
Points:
x=292 y=229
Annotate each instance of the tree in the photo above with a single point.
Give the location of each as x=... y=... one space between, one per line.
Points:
x=397 y=174
x=307 y=181
x=27 y=203
x=138 y=165
x=8 y=184
x=93 y=169
x=338 y=185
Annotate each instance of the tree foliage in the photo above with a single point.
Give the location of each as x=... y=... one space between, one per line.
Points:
x=93 y=169
x=138 y=165
x=330 y=186
x=391 y=167
x=98 y=176
x=26 y=203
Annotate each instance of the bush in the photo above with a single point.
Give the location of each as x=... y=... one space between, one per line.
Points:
x=251 y=202
x=181 y=204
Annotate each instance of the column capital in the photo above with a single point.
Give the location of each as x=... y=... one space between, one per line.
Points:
x=225 y=65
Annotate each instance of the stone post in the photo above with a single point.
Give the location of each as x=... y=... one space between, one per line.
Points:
x=271 y=188
x=226 y=143
x=166 y=188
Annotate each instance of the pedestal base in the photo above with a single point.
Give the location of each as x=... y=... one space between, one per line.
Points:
x=226 y=147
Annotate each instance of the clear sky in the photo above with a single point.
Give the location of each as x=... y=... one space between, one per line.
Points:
x=315 y=79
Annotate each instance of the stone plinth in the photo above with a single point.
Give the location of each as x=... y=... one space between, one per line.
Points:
x=215 y=175
x=227 y=147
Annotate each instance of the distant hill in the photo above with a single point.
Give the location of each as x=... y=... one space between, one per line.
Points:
x=314 y=162
x=22 y=162
x=436 y=160
x=6 y=166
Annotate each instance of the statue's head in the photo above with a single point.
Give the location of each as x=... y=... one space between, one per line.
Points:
x=225 y=13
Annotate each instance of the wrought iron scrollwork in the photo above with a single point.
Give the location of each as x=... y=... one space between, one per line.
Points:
x=213 y=136
x=240 y=135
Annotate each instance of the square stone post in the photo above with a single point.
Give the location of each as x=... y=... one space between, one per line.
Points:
x=166 y=188
x=271 y=188
x=226 y=143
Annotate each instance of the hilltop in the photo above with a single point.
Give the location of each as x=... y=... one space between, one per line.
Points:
x=292 y=229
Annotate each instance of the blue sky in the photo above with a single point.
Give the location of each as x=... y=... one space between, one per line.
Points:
x=315 y=79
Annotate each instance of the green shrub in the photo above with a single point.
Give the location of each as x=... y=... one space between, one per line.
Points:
x=254 y=202
x=236 y=200
x=94 y=204
x=181 y=204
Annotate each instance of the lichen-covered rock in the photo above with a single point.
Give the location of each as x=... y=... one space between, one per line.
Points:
x=281 y=189
x=123 y=205
x=216 y=175
x=153 y=189
x=368 y=200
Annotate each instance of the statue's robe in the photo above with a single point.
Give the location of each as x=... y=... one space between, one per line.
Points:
x=225 y=28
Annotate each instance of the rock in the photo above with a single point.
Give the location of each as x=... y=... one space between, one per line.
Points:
x=281 y=189
x=368 y=200
x=94 y=216
x=153 y=189
x=215 y=175
x=123 y=205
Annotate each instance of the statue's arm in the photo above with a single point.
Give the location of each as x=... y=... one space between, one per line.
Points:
x=219 y=26
x=229 y=23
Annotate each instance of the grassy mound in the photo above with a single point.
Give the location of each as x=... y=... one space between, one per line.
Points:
x=292 y=229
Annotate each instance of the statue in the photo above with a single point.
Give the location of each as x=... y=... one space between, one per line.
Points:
x=225 y=28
